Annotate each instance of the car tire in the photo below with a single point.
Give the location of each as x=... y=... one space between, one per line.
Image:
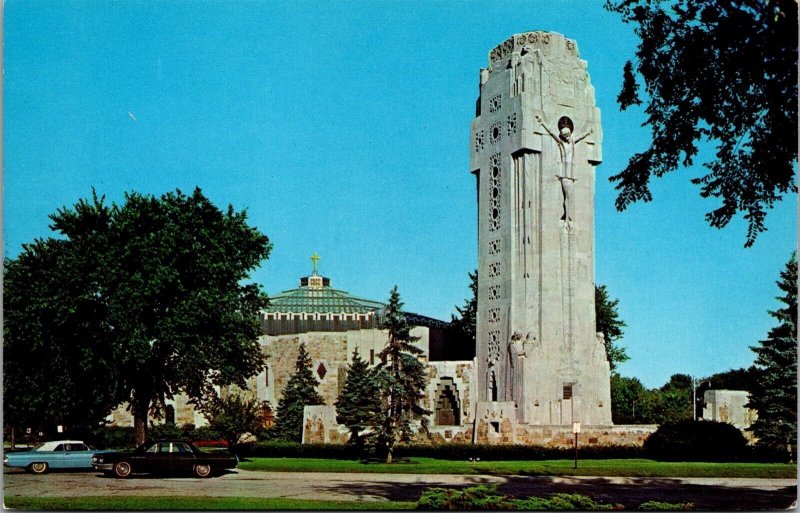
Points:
x=202 y=470
x=123 y=469
x=38 y=467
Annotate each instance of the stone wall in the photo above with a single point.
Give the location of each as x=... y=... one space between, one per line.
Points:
x=330 y=354
x=185 y=413
x=494 y=427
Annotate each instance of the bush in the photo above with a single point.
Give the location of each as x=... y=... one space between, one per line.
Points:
x=665 y=506
x=448 y=451
x=284 y=449
x=486 y=498
x=451 y=451
x=691 y=440
x=465 y=451
x=166 y=432
x=111 y=437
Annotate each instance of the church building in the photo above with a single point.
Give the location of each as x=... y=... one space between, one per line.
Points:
x=538 y=371
x=333 y=323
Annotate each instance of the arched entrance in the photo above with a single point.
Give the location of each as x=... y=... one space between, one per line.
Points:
x=448 y=404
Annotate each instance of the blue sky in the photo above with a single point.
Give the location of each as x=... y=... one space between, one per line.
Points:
x=343 y=128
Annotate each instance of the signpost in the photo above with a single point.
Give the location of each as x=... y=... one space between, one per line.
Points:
x=576 y=428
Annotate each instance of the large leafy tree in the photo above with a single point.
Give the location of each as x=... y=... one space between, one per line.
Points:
x=300 y=392
x=673 y=401
x=160 y=296
x=58 y=350
x=629 y=402
x=402 y=378
x=774 y=391
x=359 y=399
x=608 y=323
x=717 y=72
x=632 y=403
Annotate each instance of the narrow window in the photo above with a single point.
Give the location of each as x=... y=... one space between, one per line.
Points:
x=567 y=391
x=372 y=357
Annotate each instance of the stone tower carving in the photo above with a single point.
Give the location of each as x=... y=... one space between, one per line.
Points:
x=536 y=138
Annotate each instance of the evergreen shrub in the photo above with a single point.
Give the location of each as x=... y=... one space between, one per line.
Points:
x=691 y=440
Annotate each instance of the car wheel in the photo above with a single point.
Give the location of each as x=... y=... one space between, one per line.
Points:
x=38 y=467
x=122 y=469
x=202 y=470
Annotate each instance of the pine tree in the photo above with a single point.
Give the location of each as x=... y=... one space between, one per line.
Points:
x=774 y=394
x=402 y=379
x=359 y=400
x=464 y=326
x=299 y=393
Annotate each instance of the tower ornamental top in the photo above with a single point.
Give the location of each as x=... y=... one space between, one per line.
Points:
x=549 y=42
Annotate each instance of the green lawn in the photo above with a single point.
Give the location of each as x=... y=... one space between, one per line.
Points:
x=624 y=467
x=192 y=503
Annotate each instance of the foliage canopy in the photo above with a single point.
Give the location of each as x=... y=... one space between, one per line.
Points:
x=720 y=72
x=134 y=302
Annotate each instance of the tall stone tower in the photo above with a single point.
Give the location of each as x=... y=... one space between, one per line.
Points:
x=536 y=138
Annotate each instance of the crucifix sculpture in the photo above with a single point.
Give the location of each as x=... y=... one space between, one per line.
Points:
x=566 y=147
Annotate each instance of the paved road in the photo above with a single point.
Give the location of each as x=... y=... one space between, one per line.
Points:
x=705 y=493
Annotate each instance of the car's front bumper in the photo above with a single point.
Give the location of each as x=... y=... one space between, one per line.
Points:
x=103 y=466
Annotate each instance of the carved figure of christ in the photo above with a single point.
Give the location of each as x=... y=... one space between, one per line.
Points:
x=566 y=147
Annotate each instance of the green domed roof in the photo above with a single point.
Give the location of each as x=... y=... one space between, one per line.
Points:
x=320 y=299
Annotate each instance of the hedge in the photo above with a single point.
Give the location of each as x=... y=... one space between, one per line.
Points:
x=449 y=451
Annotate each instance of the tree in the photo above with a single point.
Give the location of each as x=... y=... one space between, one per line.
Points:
x=464 y=325
x=724 y=73
x=674 y=400
x=608 y=323
x=233 y=417
x=359 y=399
x=628 y=403
x=402 y=379
x=774 y=392
x=58 y=361
x=159 y=295
x=299 y=393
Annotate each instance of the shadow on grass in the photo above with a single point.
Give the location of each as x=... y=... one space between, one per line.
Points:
x=630 y=493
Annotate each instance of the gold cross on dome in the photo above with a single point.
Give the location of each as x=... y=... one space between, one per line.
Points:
x=315 y=259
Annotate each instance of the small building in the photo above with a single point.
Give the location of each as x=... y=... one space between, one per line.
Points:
x=728 y=406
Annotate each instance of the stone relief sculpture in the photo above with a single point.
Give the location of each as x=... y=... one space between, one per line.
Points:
x=566 y=146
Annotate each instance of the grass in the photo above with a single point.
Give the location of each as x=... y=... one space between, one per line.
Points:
x=608 y=468
x=192 y=503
